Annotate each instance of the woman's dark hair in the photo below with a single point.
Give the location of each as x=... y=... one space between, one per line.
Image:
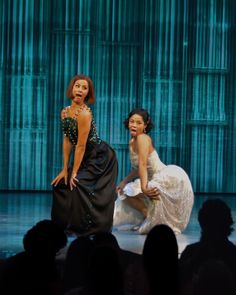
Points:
x=90 y=97
x=146 y=118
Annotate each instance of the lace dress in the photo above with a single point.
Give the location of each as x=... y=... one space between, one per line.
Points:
x=88 y=208
x=176 y=197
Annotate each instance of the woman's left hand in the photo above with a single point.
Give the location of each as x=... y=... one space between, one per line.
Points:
x=73 y=181
x=152 y=193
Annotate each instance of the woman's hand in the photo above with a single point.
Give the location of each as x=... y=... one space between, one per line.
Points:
x=152 y=193
x=120 y=187
x=60 y=176
x=73 y=181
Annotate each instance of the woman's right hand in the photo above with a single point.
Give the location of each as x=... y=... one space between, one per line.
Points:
x=59 y=177
x=152 y=193
x=120 y=187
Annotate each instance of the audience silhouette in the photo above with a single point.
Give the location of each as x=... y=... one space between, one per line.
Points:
x=79 y=258
x=214 y=278
x=104 y=274
x=216 y=225
x=131 y=264
x=34 y=271
x=96 y=264
x=160 y=258
x=76 y=262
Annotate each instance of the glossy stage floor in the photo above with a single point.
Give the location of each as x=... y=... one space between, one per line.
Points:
x=19 y=211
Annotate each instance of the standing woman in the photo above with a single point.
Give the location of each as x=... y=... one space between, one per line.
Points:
x=84 y=195
x=152 y=193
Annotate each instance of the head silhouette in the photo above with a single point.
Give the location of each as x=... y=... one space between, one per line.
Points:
x=44 y=238
x=106 y=239
x=160 y=258
x=215 y=219
x=160 y=246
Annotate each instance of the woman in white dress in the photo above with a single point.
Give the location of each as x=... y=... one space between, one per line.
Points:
x=152 y=193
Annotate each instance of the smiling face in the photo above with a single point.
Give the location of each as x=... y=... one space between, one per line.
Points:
x=136 y=125
x=80 y=91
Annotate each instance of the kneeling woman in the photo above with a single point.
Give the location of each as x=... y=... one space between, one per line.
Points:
x=84 y=196
x=152 y=193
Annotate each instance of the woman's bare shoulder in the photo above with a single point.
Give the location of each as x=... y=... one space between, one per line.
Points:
x=131 y=141
x=84 y=113
x=64 y=112
x=144 y=138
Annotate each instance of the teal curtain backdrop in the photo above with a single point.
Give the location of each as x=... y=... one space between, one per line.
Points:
x=175 y=58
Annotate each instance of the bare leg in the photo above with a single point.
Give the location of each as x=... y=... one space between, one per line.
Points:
x=137 y=203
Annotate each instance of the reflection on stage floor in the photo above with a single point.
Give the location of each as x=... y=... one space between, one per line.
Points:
x=19 y=211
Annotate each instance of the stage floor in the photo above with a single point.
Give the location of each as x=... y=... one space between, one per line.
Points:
x=19 y=211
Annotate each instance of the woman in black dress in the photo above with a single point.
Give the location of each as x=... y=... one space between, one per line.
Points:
x=84 y=195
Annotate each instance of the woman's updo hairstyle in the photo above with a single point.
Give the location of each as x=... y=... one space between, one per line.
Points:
x=146 y=119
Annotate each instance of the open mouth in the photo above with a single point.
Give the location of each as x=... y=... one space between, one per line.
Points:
x=133 y=132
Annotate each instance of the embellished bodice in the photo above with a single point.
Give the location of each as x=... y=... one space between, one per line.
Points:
x=154 y=164
x=70 y=127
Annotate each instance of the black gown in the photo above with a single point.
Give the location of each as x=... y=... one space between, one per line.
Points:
x=88 y=208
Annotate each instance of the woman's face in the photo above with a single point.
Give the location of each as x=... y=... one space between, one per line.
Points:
x=80 y=91
x=136 y=125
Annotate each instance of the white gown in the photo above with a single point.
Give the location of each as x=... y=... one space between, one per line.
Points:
x=176 y=197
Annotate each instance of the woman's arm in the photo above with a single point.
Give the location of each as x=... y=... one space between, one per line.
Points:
x=133 y=174
x=144 y=146
x=67 y=147
x=84 y=124
x=143 y=143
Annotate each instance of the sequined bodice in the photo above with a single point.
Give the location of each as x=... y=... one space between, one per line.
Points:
x=154 y=164
x=70 y=128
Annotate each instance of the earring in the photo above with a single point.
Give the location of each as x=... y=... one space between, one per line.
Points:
x=144 y=130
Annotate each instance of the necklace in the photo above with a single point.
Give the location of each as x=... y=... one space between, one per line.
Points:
x=78 y=107
x=74 y=111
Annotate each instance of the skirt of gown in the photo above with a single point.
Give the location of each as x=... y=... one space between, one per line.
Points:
x=173 y=208
x=88 y=208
